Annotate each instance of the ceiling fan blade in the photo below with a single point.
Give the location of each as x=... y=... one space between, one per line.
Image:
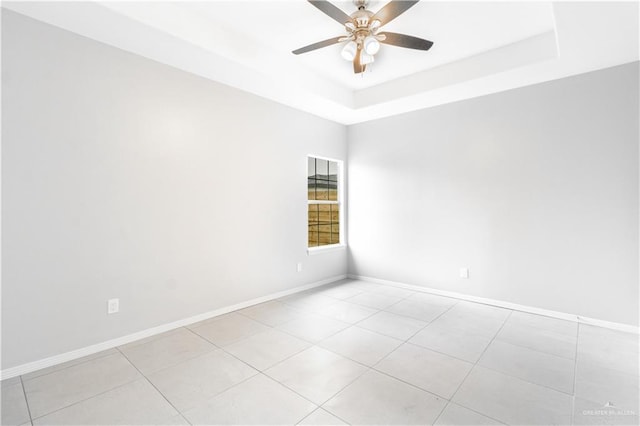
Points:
x=357 y=66
x=403 y=40
x=392 y=10
x=318 y=45
x=331 y=11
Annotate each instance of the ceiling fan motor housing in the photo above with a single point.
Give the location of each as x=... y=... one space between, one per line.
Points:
x=365 y=28
x=362 y=17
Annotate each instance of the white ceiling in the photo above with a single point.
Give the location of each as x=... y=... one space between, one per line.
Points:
x=479 y=47
x=458 y=29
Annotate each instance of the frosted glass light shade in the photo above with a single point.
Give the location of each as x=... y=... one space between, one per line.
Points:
x=349 y=50
x=371 y=45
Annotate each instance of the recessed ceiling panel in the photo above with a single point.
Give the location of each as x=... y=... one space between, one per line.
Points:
x=479 y=47
x=458 y=30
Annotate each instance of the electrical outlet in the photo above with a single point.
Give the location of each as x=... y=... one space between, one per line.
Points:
x=113 y=306
x=464 y=273
x=299 y=266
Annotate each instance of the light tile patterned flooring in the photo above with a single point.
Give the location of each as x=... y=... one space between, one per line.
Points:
x=349 y=353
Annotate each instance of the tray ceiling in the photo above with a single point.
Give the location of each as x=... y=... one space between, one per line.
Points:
x=479 y=47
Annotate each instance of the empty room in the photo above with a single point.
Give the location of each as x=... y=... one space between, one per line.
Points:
x=292 y=212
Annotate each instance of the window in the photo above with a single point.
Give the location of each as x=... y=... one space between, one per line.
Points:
x=324 y=200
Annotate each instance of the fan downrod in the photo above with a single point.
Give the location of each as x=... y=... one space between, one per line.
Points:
x=361 y=4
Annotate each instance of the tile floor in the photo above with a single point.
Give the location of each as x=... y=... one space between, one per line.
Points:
x=348 y=353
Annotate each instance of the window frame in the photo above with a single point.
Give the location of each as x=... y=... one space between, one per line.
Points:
x=340 y=203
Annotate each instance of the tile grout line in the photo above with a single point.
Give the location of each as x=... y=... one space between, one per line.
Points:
x=298 y=311
x=67 y=367
x=334 y=415
x=321 y=405
x=154 y=386
x=258 y=372
x=355 y=304
x=143 y=376
x=409 y=384
x=520 y=378
x=291 y=390
x=220 y=393
x=312 y=344
x=346 y=300
x=26 y=400
x=264 y=323
x=228 y=353
x=354 y=324
x=302 y=419
x=372 y=368
x=414 y=318
x=536 y=350
x=525 y=380
x=90 y=397
x=575 y=377
x=406 y=341
x=411 y=293
x=262 y=372
x=149 y=339
x=84 y=399
x=430 y=291
x=192 y=357
x=217 y=348
x=427 y=323
x=475 y=364
x=222 y=348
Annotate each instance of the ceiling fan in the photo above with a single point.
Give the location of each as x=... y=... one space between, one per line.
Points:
x=362 y=26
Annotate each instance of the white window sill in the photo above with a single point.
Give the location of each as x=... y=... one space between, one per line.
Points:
x=325 y=249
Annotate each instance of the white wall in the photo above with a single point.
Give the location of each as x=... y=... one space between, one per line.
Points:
x=125 y=178
x=535 y=190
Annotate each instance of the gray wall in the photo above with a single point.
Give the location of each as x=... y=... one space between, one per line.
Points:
x=535 y=190
x=125 y=178
x=122 y=177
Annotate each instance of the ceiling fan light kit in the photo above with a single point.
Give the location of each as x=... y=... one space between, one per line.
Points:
x=362 y=26
x=371 y=45
x=365 y=58
x=349 y=50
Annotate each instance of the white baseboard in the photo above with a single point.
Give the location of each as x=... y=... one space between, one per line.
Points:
x=499 y=303
x=99 y=347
